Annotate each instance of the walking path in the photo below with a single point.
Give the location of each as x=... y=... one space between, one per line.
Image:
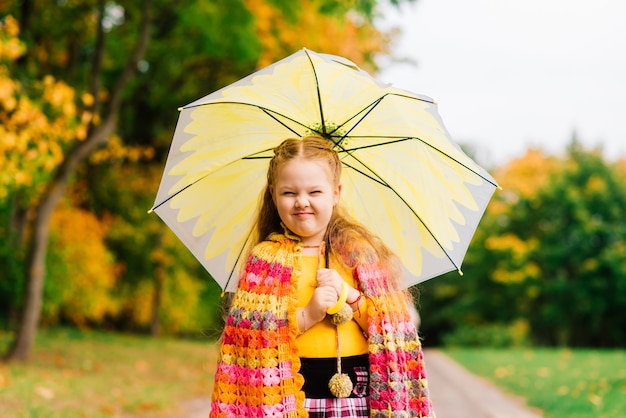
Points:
x=455 y=392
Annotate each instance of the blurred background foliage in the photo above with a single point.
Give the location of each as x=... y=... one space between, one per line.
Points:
x=547 y=265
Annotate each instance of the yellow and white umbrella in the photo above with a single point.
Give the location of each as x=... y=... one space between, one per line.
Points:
x=403 y=177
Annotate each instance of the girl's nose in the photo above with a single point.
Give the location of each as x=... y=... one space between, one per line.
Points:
x=302 y=202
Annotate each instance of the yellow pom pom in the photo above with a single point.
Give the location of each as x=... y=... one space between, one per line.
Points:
x=344 y=315
x=340 y=385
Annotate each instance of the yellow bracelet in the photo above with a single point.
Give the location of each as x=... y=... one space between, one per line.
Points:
x=341 y=301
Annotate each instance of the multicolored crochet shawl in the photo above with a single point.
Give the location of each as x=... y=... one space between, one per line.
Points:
x=257 y=372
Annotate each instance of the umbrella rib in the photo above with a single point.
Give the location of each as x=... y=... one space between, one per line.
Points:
x=232 y=271
x=319 y=96
x=376 y=179
x=247 y=157
x=155 y=207
x=271 y=113
x=379 y=144
x=370 y=107
x=401 y=139
x=367 y=109
x=382 y=182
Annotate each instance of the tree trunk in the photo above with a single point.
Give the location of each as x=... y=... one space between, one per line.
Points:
x=31 y=311
x=159 y=280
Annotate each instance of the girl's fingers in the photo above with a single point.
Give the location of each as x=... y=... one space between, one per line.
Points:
x=329 y=277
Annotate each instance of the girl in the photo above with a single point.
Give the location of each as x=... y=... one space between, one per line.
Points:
x=319 y=325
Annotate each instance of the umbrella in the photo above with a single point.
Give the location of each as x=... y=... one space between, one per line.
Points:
x=403 y=177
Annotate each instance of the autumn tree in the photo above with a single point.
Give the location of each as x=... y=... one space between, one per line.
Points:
x=48 y=54
x=99 y=50
x=41 y=121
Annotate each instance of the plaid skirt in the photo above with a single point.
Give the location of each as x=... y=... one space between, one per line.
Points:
x=320 y=403
x=338 y=407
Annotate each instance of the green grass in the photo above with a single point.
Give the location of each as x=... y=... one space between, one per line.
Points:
x=96 y=374
x=562 y=382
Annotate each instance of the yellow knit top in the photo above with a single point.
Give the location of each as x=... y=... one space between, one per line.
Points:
x=320 y=339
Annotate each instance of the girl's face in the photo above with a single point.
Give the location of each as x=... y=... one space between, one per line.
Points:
x=304 y=195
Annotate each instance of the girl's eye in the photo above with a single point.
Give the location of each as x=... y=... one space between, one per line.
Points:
x=316 y=192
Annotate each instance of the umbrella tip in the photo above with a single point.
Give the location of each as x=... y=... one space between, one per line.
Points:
x=150 y=210
x=460 y=272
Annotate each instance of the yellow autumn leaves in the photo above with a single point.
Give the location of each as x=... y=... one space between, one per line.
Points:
x=36 y=122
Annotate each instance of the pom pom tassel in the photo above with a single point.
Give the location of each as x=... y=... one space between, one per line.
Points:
x=344 y=315
x=340 y=384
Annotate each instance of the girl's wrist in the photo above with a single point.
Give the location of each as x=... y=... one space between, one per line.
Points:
x=355 y=301
x=301 y=319
x=306 y=319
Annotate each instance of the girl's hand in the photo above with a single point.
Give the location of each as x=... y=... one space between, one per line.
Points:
x=330 y=277
x=323 y=298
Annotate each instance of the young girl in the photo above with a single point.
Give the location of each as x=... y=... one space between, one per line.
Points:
x=286 y=351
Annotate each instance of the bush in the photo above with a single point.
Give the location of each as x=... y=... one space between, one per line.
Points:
x=492 y=335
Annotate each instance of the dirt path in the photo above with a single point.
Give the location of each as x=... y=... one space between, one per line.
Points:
x=455 y=392
x=198 y=408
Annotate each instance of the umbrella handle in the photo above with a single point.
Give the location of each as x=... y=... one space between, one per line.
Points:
x=341 y=301
x=327 y=253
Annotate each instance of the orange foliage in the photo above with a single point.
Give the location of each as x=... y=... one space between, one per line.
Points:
x=181 y=295
x=518 y=266
x=116 y=150
x=350 y=37
x=519 y=178
x=86 y=273
x=522 y=177
x=10 y=46
x=39 y=125
x=528 y=173
x=35 y=130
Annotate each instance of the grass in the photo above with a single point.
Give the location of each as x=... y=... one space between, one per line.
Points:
x=96 y=374
x=562 y=382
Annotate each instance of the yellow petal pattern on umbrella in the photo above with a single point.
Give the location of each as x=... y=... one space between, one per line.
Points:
x=403 y=176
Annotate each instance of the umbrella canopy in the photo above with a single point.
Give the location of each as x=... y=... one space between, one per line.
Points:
x=403 y=177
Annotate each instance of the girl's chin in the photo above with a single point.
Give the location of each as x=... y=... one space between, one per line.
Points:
x=309 y=238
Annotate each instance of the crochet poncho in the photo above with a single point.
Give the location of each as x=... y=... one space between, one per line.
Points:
x=257 y=371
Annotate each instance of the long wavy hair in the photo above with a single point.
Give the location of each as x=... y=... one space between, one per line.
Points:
x=349 y=240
